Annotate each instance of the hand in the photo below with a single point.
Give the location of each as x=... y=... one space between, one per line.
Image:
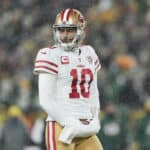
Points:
x=89 y=129
x=69 y=131
x=76 y=128
x=67 y=134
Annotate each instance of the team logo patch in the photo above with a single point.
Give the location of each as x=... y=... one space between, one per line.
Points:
x=89 y=59
x=64 y=60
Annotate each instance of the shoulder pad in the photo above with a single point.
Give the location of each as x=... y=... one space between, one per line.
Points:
x=90 y=51
x=46 y=61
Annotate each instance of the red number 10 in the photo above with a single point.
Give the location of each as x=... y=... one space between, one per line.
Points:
x=75 y=93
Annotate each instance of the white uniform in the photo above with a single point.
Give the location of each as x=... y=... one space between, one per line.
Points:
x=76 y=87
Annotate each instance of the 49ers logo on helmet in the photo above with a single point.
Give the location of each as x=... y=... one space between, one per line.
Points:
x=81 y=18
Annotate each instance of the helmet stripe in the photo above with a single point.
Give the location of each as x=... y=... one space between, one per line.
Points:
x=65 y=15
x=62 y=14
x=69 y=14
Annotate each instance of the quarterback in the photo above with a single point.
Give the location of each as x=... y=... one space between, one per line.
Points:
x=67 y=82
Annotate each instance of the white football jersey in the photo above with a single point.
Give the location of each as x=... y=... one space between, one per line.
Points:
x=76 y=85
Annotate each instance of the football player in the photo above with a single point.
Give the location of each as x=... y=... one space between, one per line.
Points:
x=67 y=84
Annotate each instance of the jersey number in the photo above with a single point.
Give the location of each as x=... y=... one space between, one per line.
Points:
x=86 y=77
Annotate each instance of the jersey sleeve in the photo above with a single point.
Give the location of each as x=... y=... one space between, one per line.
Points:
x=46 y=62
x=97 y=64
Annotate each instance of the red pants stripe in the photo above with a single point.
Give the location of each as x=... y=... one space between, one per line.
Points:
x=51 y=141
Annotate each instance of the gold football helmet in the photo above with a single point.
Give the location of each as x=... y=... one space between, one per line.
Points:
x=69 y=18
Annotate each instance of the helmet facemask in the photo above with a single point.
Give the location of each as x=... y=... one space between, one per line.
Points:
x=69 y=46
x=73 y=22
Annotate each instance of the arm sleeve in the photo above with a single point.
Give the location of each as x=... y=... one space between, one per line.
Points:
x=97 y=65
x=94 y=126
x=46 y=85
x=94 y=99
x=94 y=92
